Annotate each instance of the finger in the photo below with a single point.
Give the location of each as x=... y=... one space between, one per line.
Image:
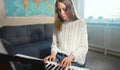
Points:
x=65 y=63
x=59 y=63
x=62 y=61
x=69 y=63
x=52 y=59
x=49 y=58
x=46 y=59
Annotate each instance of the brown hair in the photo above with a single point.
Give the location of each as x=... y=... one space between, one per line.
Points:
x=69 y=10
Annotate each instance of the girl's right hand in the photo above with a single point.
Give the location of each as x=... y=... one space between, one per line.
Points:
x=51 y=57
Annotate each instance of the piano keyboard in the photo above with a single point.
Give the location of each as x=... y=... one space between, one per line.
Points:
x=55 y=66
x=48 y=65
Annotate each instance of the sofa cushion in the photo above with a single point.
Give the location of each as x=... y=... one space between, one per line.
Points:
x=15 y=34
x=34 y=49
x=49 y=31
x=18 y=35
x=36 y=32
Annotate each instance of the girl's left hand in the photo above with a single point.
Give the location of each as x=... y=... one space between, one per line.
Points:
x=66 y=62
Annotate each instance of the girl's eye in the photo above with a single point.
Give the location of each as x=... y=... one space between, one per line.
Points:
x=58 y=10
x=64 y=9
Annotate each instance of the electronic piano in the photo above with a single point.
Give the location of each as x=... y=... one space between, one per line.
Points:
x=34 y=60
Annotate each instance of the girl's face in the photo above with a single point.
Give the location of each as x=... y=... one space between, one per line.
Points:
x=61 y=8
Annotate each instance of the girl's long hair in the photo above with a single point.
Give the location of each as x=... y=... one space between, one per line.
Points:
x=70 y=10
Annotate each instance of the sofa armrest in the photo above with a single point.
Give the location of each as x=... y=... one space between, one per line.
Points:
x=8 y=46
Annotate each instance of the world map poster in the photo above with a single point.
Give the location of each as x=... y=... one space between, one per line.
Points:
x=28 y=8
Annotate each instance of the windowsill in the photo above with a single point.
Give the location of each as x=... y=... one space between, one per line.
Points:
x=103 y=21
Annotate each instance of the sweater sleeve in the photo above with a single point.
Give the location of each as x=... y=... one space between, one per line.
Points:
x=54 y=42
x=80 y=53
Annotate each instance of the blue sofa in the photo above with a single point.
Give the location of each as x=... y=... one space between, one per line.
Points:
x=33 y=40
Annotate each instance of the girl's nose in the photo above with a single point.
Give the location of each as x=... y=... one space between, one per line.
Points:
x=62 y=12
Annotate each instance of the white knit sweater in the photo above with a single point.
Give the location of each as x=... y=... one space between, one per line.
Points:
x=73 y=39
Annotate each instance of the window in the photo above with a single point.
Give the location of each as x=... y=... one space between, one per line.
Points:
x=105 y=10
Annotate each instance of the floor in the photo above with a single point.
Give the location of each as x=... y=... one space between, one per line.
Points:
x=99 y=61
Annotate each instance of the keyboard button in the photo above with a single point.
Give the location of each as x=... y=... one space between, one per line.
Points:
x=46 y=64
x=51 y=67
x=60 y=68
x=68 y=68
x=63 y=68
x=56 y=68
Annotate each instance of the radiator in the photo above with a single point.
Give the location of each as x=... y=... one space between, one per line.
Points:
x=104 y=36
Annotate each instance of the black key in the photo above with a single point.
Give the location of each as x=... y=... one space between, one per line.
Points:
x=63 y=68
x=60 y=68
x=51 y=67
x=46 y=64
x=68 y=68
x=56 y=67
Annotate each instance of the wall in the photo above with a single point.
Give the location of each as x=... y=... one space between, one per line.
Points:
x=104 y=36
x=21 y=21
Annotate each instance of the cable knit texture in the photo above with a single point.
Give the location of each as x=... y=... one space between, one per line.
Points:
x=73 y=39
